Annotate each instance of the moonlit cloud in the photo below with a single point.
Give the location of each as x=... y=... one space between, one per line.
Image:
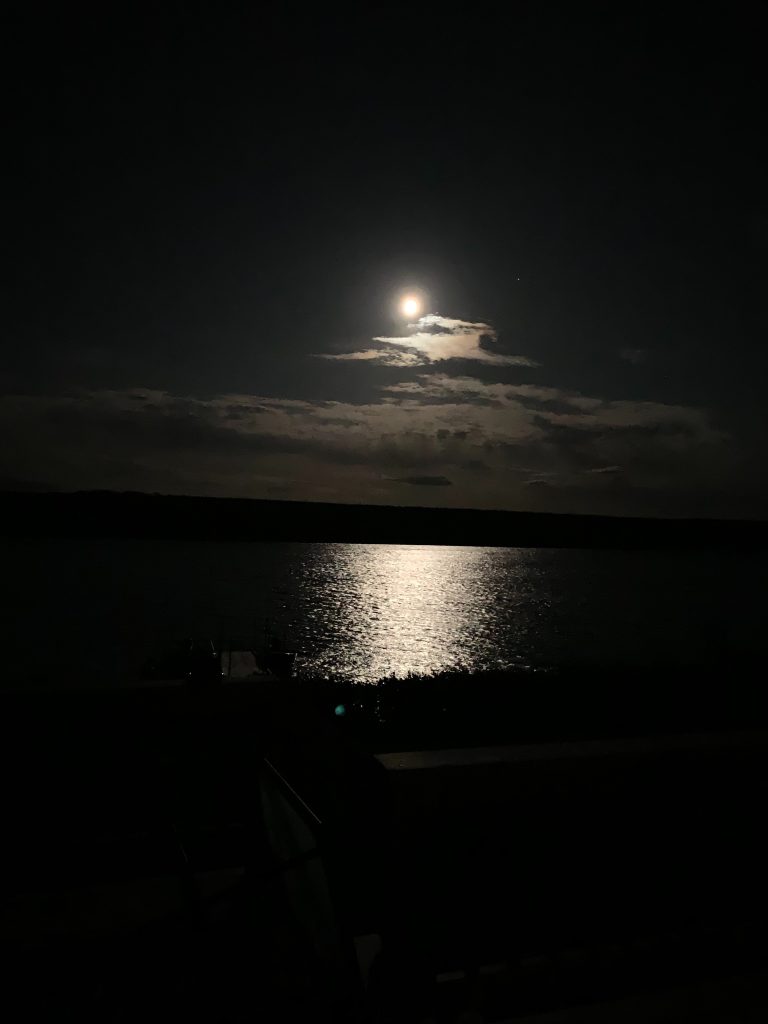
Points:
x=467 y=439
x=437 y=338
x=382 y=356
x=504 y=445
x=556 y=406
x=434 y=338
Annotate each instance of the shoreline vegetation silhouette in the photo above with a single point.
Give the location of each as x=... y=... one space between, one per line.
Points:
x=454 y=709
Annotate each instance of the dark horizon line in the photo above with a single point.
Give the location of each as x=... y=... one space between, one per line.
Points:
x=48 y=492
x=144 y=515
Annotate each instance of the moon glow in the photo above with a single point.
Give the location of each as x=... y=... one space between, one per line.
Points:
x=410 y=305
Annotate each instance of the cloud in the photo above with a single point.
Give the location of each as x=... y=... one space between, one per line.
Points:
x=470 y=389
x=449 y=421
x=476 y=442
x=481 y=442
x=434 y=338
x=425 y=481
x=437 y=338
x=554 y=408
x=383 y=356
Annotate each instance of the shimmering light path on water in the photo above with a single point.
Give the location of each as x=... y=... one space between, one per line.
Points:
x=91 y=612
x=394 y=609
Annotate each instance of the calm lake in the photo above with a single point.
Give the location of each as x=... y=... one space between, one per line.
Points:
x=92 y=612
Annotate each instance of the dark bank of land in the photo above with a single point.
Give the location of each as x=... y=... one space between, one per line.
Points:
x=104 y=514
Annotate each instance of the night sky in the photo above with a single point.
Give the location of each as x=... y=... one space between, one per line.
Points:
x=212 y=212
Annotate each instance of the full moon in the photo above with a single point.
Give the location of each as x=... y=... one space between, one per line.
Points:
x=410 y=305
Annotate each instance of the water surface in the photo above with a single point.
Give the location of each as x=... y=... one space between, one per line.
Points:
x=94 y=611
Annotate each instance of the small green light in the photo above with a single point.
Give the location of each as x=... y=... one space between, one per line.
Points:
x=340 y=710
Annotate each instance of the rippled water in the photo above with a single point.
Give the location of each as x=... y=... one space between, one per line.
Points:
x=94 y=611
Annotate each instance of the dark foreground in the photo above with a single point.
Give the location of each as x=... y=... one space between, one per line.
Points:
x=240 y=852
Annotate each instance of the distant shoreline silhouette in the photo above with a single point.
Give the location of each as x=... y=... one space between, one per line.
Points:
x=105 y=514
